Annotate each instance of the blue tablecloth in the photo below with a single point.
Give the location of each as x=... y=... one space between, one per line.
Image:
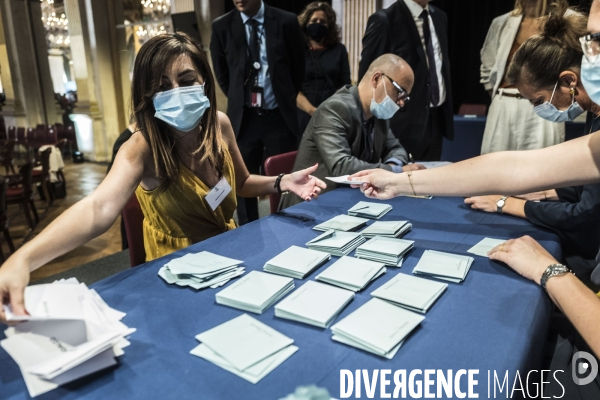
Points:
x=494 y=320
x=468 y=136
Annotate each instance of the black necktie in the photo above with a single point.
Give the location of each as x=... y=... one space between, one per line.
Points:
x=254 y=45
x=367 y=130
x=434 y=90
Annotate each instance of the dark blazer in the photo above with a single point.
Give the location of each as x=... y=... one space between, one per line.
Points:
x=334 y=139
x=285 y=56
x=393 y=30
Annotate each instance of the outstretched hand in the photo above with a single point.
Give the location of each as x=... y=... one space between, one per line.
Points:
x=303 y=184
x=13 y=280
x=379 y=183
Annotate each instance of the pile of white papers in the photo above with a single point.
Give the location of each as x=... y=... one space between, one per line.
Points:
x=245 y=347
x=314 y=303
x=369 y=210
x=336 y=243
x=392 y=229
x=386 y=250
x=377 y=326
x=485 y=245
x=352 y=273
x=201 y=270
x=296 y=262
x=255 y=292
x=345 y=223
x=413 y=293
x=70 y=332
x=445 y=266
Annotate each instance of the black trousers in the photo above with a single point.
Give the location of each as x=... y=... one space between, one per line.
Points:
x=429 y=147
x=261 y=136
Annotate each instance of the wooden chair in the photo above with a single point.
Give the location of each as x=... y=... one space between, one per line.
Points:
x=134 y=227
x=23 y=194
x=7 y=157
x=21 y=136
x=11 y=132
x=275 y=165
x=4 y=217
x=479 y=110
x=43 y=176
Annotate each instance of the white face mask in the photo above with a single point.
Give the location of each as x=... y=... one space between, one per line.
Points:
x=387 y=108
x=182 y=107
x=550 y=113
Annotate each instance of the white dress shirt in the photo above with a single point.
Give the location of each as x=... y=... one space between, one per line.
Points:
x=264 y=76
x=416 y=10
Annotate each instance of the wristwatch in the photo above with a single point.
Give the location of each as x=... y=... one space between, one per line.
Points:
x=500 y=203
x=553 y=270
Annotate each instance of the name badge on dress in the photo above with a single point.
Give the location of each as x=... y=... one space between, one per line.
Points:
x=218 y=194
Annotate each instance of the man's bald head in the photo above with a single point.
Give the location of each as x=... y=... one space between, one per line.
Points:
x=594 y=18
x=395 y=67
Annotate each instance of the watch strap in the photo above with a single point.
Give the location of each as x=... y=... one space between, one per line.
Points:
x=551 y=271
x=498 y=207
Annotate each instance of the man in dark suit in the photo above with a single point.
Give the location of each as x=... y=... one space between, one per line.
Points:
x=350 y=131
x=416 y=31
x=258 y=59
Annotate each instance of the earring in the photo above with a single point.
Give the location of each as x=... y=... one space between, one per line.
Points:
x=572 y=91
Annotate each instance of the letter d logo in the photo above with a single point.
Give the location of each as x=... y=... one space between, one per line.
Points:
x=582 y=367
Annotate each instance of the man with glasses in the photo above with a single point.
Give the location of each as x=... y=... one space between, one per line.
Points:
x=416 y=31
x=350 y=131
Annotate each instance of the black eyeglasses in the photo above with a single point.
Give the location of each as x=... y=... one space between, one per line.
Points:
x=402 y=95
x=590 y=44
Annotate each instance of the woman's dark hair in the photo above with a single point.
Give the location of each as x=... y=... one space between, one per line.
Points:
x=150 y=64
x=540 y=60
x=333 y=30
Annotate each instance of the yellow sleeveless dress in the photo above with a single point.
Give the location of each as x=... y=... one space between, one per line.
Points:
x=180 y=216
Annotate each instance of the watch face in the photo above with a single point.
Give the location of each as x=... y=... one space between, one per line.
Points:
x=500 y=203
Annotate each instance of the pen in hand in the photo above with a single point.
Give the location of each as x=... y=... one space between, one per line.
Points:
x=410 y=158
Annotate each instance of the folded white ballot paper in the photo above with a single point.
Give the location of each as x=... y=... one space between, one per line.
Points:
x=344 y=180
x=485 y=245
x=70 y=332
x=368 y=209
x=296 y=262
x=345 y=223
x=245 y=347
x=410 y=292
x=352 y=273
x=201 y=270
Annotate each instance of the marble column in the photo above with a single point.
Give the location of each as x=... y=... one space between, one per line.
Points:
x=24 y=66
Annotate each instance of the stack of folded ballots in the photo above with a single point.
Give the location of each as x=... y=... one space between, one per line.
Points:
x=377 y=326
x=352 y=273
x=410 y=292
x=345 y=223
x=369 y=210
x=386 y=250
x=296 y=262
x=70 y=332
x=201 y=270
x=391 y=229
x=314 y=303
x=255 y=292
x=336 y=243
x=245 y=347
x=445 y=266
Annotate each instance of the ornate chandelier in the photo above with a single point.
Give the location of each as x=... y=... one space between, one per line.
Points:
x=156 y=18
x=56 y=25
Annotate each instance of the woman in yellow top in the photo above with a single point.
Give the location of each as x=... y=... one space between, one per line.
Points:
x=183 y=148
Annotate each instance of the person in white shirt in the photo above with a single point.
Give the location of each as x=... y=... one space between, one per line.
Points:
x=416 y=31
x=511 y=122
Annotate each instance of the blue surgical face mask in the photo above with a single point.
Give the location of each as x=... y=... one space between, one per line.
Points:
x=182 y=107
x=387 y=108
x=550 y=113
x=590 y=77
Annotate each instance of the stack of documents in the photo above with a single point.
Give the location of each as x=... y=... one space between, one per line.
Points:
x=245 y=347
x=314 y=303
x=296 y=262
x=386 y=250
x=369 y=210
x=201 y=270
x=336 y=243
x=410 y=292
x=485 y=245
x=255 y=292
x=70 y=332
x=445 y=266
x=392 y=229
x=377 y=326
x=352 y=273
x=345 y=223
